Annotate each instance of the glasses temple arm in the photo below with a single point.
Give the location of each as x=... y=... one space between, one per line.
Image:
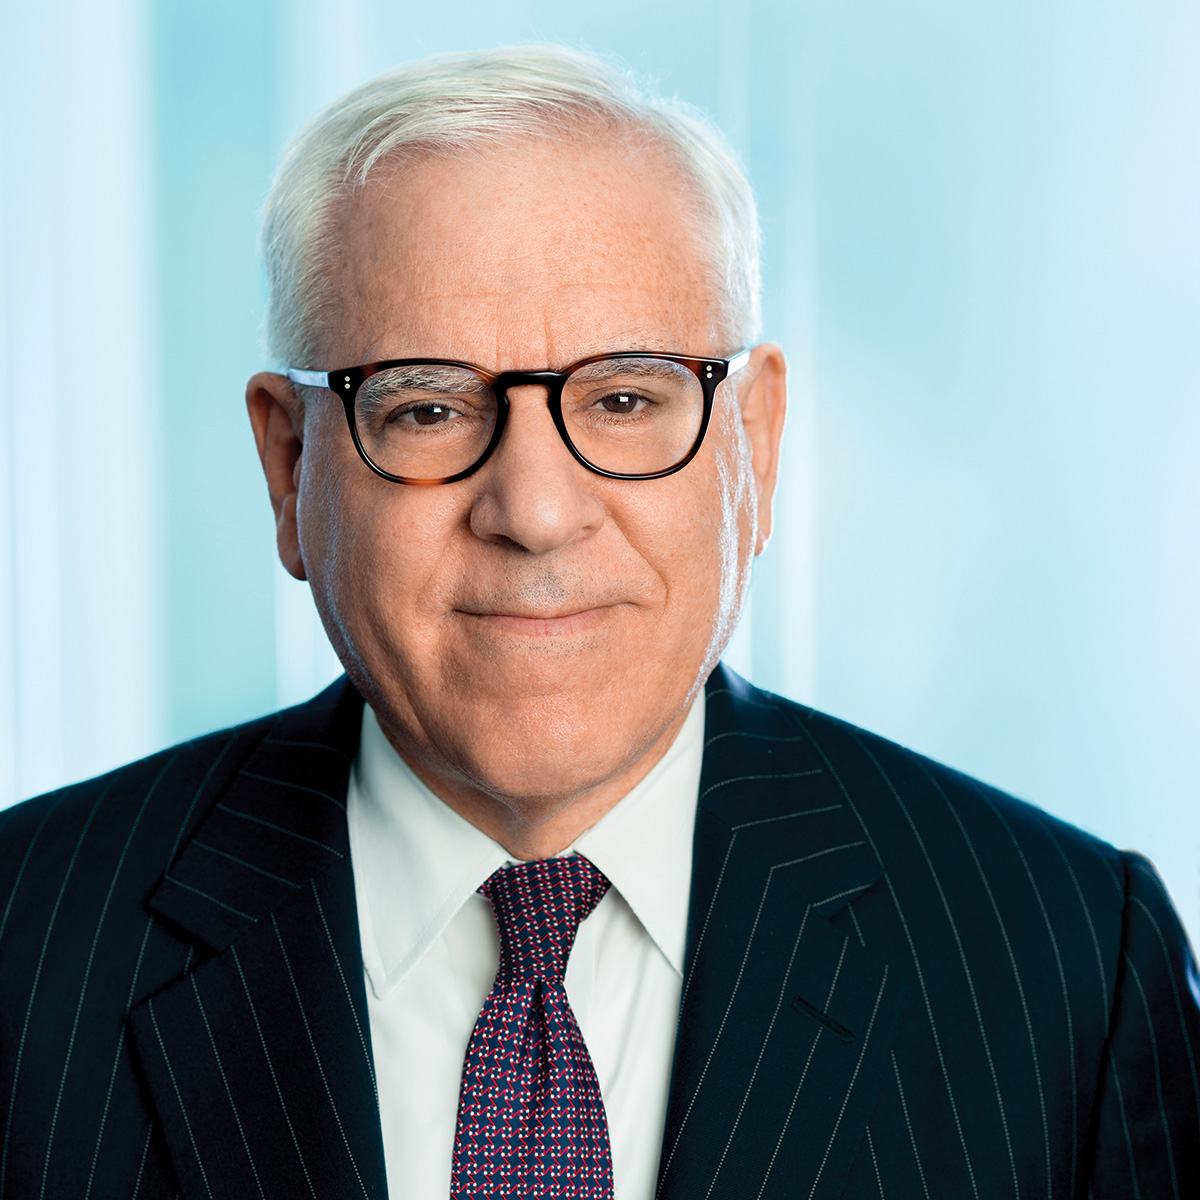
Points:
x=308 y=378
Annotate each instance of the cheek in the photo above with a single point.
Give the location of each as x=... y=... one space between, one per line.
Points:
x=735 y=525
x=327 y=546
x=695 y=535
x=739 y=493
x=326 y=500
x=363 y=592
x=369 y=546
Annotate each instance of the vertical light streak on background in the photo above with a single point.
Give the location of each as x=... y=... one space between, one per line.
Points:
x=732 y=68
x=82 y=638
x=31 y=208
x=780 y=82
x=212 y=99
x=320 y=50
x=1119 y=313
x=1008 y=349
x=8 y=490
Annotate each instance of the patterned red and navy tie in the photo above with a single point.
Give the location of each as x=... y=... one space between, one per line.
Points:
x=530 y=1115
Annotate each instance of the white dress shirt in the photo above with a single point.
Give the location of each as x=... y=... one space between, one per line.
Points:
x=431 y=951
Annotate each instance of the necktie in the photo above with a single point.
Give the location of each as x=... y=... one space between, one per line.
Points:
x=530 y=1115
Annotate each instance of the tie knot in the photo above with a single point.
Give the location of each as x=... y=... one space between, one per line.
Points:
x=538 y=907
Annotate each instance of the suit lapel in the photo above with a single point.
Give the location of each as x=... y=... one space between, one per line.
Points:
x=786 y=1021
x=259 y=1059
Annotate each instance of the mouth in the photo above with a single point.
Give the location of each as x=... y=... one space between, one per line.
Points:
x=541 y=624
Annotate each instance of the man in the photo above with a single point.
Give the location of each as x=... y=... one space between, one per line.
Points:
x=539 y=918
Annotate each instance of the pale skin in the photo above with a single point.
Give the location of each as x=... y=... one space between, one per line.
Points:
x=530 y=637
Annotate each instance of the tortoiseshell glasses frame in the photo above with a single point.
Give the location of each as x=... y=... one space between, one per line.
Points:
x=346 y=383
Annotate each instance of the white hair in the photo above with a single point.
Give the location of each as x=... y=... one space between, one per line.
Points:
x=450 y=103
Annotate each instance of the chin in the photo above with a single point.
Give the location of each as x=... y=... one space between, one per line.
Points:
x=539 y=793
x=528 y=752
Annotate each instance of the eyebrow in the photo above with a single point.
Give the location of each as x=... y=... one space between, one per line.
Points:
x=430 y=378
x=632 y=366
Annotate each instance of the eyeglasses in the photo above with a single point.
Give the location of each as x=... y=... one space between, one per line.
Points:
x=634 y=415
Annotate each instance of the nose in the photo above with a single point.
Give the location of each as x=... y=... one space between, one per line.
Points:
x=532 y=493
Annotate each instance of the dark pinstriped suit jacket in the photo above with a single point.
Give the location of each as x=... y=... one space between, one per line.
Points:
x=900 y=983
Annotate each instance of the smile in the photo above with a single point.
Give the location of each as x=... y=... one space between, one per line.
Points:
x=539 y=625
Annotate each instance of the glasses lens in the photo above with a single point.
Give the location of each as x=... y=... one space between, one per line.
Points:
x=633 y=416
x=425 y=421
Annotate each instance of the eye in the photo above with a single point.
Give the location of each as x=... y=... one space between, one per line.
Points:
x=425 y=414
x=621 y=403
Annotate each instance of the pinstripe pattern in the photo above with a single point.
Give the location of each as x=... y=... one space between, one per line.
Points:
x=29 y=1008
x=99 y=943
x=187 y=1124
x=212 y=1041
x=90 y=1110
x=866 y=1040
x=198 y=793
x=875 y=1164
x=969 y=978
x=899 y=983
x=351 y=997
x=87 y=972
x=316 y=1053
x=908 y=1125
x=758 y=1061
x=763 y=1097
x=1030 y=981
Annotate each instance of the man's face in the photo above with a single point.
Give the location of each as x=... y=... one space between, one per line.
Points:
x=532 y=634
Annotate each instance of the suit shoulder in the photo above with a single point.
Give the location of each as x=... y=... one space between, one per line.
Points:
x=173 y=782
x=138 y=816
x=916 y=800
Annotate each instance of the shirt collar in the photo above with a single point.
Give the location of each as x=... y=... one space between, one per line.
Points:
x=417 y=862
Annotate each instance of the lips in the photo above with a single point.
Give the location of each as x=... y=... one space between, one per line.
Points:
x=548 y=623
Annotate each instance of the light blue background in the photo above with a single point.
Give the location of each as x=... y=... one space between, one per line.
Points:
x=982 y=255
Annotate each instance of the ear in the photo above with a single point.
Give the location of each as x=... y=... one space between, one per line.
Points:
x=763 y=401
x=277 y=415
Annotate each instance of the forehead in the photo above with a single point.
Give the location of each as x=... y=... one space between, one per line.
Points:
x=531 y=254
